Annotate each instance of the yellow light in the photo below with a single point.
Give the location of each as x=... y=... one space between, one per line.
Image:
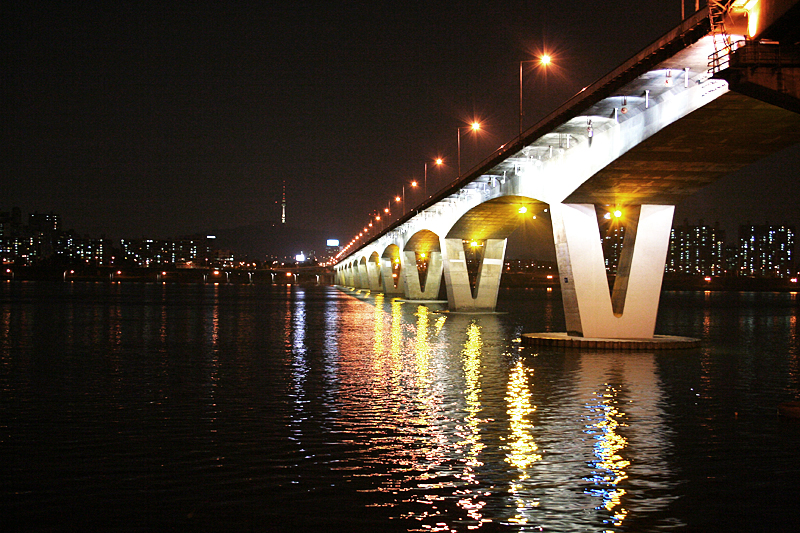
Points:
x=474 y=244
x=523 y=210
x=749 y=6
x=385 y=209
x=288 y=274
x=476 y=126
x=617 y=213
x=439 y=161
x=414 y=183
x=422 y=255
x=396 y=198
x=377 y=217
x=545 y=59
x=708 y=278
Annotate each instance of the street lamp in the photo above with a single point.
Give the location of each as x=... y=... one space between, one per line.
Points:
x=474 y=127
x=543 y=61
x=437 y=161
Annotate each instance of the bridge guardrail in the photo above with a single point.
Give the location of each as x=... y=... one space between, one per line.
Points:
x=721 y=59
x=745 y=53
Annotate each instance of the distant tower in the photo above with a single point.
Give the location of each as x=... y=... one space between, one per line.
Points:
x=283 y=204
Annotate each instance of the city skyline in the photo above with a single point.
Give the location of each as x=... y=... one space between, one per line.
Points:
x=179 y=120
x=695 y=248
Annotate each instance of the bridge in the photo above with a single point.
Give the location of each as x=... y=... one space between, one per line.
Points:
x=717 y=93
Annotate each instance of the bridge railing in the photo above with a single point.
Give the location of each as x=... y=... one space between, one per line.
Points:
x=745 y=53
x=721 y=59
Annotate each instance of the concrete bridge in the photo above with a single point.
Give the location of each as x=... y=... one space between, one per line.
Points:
x=715 y=94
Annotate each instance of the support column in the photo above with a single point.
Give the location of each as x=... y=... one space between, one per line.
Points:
x=351 y=276
x=373 y=281
x=459 y=291
x=388 y=280
x=588 y=307
x=411 y=276
x=361 y=274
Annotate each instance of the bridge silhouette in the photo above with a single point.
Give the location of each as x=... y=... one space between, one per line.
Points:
x=717 y=93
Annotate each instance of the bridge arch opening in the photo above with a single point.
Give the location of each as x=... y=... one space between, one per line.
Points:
x=424 y=244
x=520 y=222
x=392 y=276
x=374 y=269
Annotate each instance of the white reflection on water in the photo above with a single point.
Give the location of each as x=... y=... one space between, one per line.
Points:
x=296 y=317
x=608 y=469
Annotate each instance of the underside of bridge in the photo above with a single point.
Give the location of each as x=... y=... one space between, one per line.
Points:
x=718 y=139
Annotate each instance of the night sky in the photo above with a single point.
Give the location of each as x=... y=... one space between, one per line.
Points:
x=136 y=120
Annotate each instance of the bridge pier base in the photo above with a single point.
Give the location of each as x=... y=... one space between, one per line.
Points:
x=456 y=277
x=590 y=309
x=411 y=276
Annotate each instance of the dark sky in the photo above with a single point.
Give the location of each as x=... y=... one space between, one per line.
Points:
x=172 y=119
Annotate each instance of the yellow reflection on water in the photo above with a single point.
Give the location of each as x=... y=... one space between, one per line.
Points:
x=423 y=346
x=522 y=450
x=439 y=324
x=377 y=344
x=471 y=356
x=396 y=338
x=609 y=468
x=469 y=433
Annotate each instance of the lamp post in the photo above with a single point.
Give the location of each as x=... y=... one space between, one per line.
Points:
x=474 y=127
x=438 y=161
x=544 y=60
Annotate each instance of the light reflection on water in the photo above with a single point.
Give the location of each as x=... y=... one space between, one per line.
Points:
x=253 y=408
x=460 y=459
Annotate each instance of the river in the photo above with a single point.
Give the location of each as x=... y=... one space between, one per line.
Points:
x=151 y=407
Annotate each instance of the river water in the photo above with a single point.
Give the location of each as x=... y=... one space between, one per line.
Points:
x=152 y=407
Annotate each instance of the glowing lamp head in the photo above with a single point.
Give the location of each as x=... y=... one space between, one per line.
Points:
x=396 y=198
x=545 y=59
x=414 y=183
x=617 y=213
x=523 y=210
x=475 y=126
x=439 y=160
